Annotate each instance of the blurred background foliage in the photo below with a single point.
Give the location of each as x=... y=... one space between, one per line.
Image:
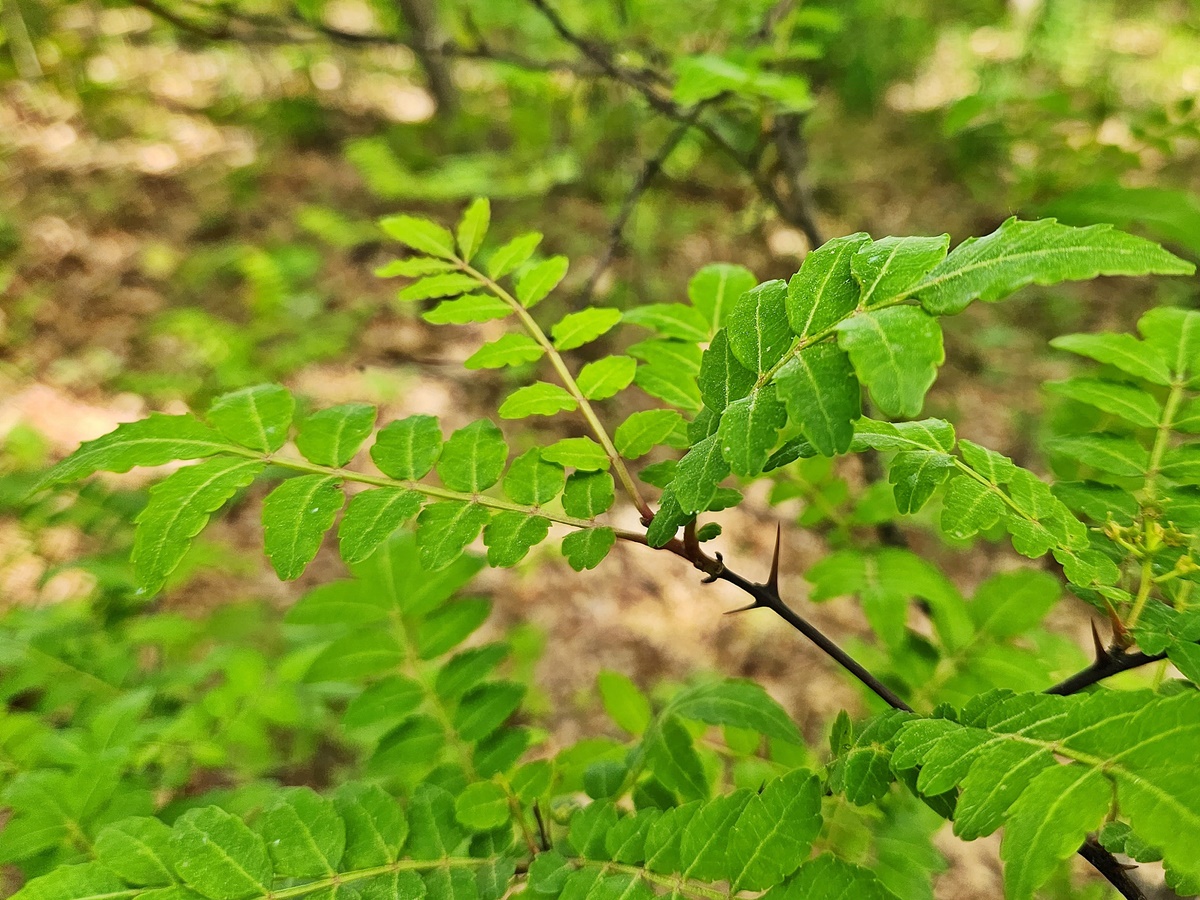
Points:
x=188 y=193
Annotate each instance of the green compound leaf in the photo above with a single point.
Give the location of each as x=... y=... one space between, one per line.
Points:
x=970 y=507
x=644 y=430
x=538 y=399
x=355 y=656
x=715 y=288
x=413 y=267
x=450 y=625
x=153 y=441
x=509 y=350
x=372 y=517
x=995 y=467
x=304 y=834
x=1175 y=334
x=625 y=704
x=699 y=474
x=831 y=878
x=672 y=320
x=667 y=520
x=824 y=291
x=255 y=417
x=1122 y=750
x=915 y=475
x=513 y=255
x=375 y=825
x=483 y=806
x=473 y=457
x=388 y=701
x=775 y=831
x=295 y=517
x=1122 y=351
x=217 y=856
x=1109 y=453
x=445 y=529
x=537 y=283
x=485 y=708
x=736 y=703
x=671 y=756
x=447 y=284
x=87 y=881
x=926 y=434
x=606 y=377
x=578 y=453
x=420 y=234
x=703 y=847
x=510 y=535
x=861 y=767
x=472 y=228
x=587 y=548
x=532 y=481
x=1039 y=252
x=888 y=268
x=331 y=437
x=588 y=494
x=722 y=378
x=822 y=395
x=896 y=353
x=667 y=353
x=137 y=849
x=1011 y=603
x=178 y=510
x=672 y=384
x=1047 y=824
x=471 y=308
x=749 y=429
x=407 y=448
x=1133 y=405
x=583 y=327
x=758 y=327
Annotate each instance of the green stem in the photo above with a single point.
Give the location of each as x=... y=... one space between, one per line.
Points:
x=675 y=883
x=403 y=865
x=1145 y=582
x=1162 y=438
x=816 y=337
x=572 y=387
x=301 y=465
x=433 y=701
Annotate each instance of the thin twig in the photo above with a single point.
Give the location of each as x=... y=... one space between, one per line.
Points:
x=422 y=22
x=616 y=232
x=769 y=599
x=1111 y=868
x=766 y=596
x=788 y=133
x=794 y=207
x=1113 y=662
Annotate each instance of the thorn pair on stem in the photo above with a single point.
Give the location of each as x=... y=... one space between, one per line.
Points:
x=770 y=586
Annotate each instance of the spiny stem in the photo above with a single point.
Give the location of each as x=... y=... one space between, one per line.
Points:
x=572 y=387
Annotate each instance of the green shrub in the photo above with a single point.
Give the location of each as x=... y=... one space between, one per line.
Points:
x=754 y=381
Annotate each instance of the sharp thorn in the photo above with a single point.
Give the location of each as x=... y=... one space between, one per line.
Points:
x=1102 y=653
x=715 y=573
x=1120 y=632
x=741 y=609
x=772 y=584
